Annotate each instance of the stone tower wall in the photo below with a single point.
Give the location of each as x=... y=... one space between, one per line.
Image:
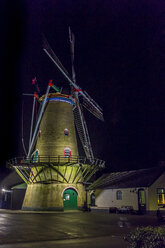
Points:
x=52 y=141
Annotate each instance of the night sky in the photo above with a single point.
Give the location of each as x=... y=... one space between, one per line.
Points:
x=119 y=61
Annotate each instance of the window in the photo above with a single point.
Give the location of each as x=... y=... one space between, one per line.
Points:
x=66 y=132
x=161 y=196
x=35 y=156
x=118 y=195
x=67 y=152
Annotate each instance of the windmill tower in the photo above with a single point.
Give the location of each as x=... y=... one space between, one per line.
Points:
x=54 y=171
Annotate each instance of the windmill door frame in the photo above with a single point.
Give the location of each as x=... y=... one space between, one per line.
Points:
x=142 y=201
x=70 y=199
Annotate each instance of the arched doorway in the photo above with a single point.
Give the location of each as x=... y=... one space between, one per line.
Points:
x=70 y=199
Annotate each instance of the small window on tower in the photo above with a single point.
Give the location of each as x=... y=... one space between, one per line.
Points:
x=66 y=132
x=67 y=152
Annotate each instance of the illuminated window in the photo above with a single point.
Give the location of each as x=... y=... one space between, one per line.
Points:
x=161 y=196
x=67 y=152
x=66 y=132
x=118 y=195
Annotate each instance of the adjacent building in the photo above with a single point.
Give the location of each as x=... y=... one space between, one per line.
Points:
x=12 y=191
x=143 y=190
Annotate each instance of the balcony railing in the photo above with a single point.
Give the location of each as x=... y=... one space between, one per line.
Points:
x=47 y=169
x=60 y=160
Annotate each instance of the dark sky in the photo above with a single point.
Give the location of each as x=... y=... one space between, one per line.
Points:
x=119 y=60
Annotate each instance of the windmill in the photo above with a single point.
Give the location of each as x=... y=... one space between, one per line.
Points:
x=54 y=172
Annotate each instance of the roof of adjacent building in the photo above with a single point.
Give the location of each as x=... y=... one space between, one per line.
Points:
x=20 y=186
x=128 y=179
x=11 y=180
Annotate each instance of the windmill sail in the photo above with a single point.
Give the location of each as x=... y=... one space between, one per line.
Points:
x=83 y=131
x=78 y=114
x=97 y=112
x=89 y=103
x=72 y=42
x=48 y=50
x=92 y=110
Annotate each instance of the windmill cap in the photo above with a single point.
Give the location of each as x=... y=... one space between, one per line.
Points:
x=58 y=97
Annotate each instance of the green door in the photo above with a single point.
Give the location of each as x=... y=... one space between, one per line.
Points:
x=142 y=201
x=70 y=199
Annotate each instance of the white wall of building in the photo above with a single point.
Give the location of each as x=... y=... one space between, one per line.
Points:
x=107 y=198
x=152 y=193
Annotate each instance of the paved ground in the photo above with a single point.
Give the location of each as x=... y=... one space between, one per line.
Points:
x=67 y=230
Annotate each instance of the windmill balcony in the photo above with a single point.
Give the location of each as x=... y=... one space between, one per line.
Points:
x=56 y=169
x=21 y=161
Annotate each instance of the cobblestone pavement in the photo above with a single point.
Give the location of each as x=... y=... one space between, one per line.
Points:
x=66 y=230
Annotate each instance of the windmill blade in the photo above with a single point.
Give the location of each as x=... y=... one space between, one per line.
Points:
x=48 y=50
x=90 y=98
x=97 y=112
x=92 y=110
x=83 y=131
x=38 y=122
x=89 y=103
x=72 y=42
